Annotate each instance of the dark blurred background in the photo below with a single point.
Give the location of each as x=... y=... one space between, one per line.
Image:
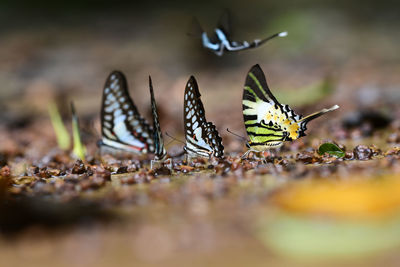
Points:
x=64 y=50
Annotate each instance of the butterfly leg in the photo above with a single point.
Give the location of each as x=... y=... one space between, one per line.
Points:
x=168 y=163
x=188 y=158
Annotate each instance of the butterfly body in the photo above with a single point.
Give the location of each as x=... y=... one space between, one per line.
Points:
x=268 y=123
x=202 y=137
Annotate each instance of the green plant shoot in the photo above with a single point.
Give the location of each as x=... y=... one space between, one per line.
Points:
x=62 y=135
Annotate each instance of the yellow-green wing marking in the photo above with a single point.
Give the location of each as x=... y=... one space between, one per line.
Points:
x=269 y=123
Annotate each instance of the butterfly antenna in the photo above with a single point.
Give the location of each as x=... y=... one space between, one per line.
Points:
x=169 y=142
x=235 y=134
x=240 y=137
x=167 y=134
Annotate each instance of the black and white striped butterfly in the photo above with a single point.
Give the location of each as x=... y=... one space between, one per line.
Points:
x=202 y=137
x=122 y=127
x=221 y=41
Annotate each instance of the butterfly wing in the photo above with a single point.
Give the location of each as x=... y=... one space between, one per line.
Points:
x=240 y=46
x=194 y=118
x=159 y=149
x=223 y=28
x=202 y=137
x=214 y=139
x=122 y=126
x=224 y=24
x=267 y=122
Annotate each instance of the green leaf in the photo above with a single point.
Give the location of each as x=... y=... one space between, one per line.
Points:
x=63 y=138
x=79 y=149
x=331 y=149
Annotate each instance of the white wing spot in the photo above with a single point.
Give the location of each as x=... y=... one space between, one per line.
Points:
x=117 y=112
x=114 y=106
x=111 y=97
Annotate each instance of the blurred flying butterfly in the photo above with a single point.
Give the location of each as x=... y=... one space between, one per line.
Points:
x=202 y=137
x=122 y=127
x=269 y=123
x=221 y=41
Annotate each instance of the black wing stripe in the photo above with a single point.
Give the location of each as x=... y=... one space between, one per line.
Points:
x=249 y=117
x=160 y=151
x=260 y=81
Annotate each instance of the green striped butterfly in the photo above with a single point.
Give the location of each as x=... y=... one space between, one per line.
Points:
x=269 y=123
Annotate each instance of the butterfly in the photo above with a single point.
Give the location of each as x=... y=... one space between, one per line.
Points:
x=269 y=123
x=221 y=42
x=122 y=127
x=202 y=137
x=159 y=149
